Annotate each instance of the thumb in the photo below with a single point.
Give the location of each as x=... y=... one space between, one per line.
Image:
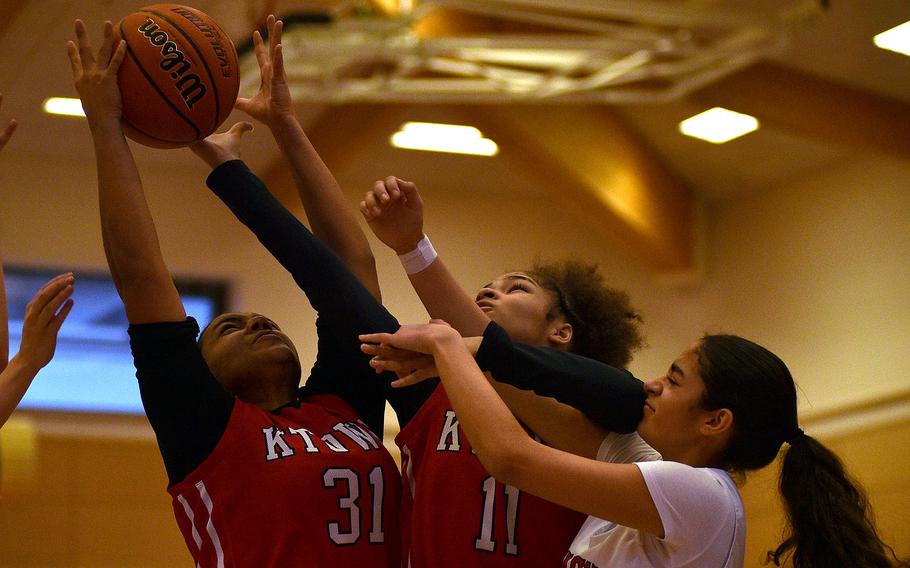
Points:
x=241 y=128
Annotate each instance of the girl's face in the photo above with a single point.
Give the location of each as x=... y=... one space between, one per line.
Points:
x=673 y=413
x=521 y=306
x=237 y=345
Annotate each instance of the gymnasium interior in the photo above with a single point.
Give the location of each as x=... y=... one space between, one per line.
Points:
x=795 y=234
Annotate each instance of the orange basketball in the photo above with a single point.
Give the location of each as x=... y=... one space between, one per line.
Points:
x=179 y=79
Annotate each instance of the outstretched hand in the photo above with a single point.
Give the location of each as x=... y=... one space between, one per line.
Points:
x=394 y=211
x=95 y=76
x=273 y=101
x=222 y=147
x=43 y=317
x=8 y=131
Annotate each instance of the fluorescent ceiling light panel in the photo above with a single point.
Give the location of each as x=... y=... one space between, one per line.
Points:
x=896 y=39
x=63 y=106
x=434 y=137
x=546 y=58
x=718 y=125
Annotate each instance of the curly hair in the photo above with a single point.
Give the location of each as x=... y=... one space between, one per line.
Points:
x=604 y=323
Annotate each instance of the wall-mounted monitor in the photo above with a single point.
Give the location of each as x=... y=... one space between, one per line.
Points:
x=92 y=370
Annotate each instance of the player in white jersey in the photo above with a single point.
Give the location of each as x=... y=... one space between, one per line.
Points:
x=725 y=405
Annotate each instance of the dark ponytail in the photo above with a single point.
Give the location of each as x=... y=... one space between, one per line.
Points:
x=830 y=522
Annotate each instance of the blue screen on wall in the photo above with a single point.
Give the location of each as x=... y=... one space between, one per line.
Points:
x=92 y=370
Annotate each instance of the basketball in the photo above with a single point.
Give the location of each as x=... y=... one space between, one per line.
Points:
x=179 y=79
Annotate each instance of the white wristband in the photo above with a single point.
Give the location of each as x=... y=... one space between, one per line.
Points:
x=419 y=258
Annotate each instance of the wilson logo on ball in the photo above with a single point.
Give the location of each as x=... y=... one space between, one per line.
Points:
x=190 y=86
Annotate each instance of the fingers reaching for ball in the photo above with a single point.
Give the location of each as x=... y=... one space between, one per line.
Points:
x=95 y=76
x=178 y=84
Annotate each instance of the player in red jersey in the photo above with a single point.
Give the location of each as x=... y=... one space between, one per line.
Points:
x=262 y=472
x=565 y=306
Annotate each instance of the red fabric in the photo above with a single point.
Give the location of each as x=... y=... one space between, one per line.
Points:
x=446 y=492
x=284 y=506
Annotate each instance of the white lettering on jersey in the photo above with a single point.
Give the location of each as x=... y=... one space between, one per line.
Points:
x=448 y=437
x=274 y=439
x=307 y=439
x=361 y=437
x=333 y=444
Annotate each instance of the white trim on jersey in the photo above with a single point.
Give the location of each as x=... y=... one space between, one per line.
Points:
x=209 y=526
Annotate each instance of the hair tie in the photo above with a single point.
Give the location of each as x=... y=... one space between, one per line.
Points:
x=796 y=436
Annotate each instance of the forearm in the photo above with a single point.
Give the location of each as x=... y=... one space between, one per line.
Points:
x=558 y=425
x=14 y=381
x=615 y=492
x=493 y=430
x=445 y=299
x=330 y=217
x=128 y=232
x=612 y=398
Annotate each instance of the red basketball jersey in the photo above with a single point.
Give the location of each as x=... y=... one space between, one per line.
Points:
x=455 y=514
x=310 y=486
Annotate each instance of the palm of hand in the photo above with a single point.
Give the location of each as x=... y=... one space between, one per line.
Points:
x=273 y=99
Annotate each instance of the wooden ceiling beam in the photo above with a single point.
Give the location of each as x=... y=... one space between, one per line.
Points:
x=812 y=106
x=606 y=174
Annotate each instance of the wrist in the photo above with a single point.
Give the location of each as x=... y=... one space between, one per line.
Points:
x=19 y=364
x=408 y=246
x=105 y=124
x=419 y=257
x=445 y=339
x=282 y=122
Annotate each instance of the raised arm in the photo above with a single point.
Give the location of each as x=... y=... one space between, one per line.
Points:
x=344 y=305
x=130 y=240
x=394 y=211
x=615 y=492
x=330 y=217
x=43 y=318
x=179 y=393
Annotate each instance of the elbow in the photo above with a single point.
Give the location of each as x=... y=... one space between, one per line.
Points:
x=508 y=462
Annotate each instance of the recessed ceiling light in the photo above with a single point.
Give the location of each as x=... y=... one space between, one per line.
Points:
x=896 y=39
x=435 y=137
x=64 y=106
x=718 y=125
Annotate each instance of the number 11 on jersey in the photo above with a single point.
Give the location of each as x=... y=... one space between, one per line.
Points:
x=512 y=495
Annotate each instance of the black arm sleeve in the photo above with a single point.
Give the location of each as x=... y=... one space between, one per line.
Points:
x=610 y=397
x=345 y=307
x=187 y=408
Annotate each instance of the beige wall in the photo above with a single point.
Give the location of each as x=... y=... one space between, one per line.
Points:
x=816 y=270
x=819 y=271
